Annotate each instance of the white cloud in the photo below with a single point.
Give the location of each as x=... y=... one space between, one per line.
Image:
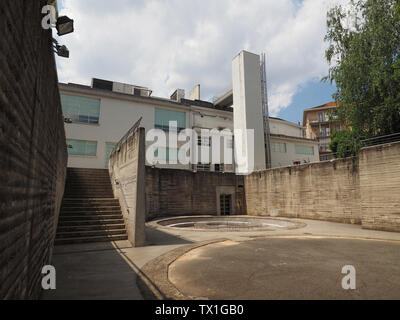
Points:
x=178 y=43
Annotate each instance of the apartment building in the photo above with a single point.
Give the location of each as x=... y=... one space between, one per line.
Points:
x=320 y=123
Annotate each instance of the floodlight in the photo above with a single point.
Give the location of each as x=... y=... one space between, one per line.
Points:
x=64 y=26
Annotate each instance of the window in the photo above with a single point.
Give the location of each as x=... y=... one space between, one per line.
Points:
x=109 y=148
x=278 y=147
x=204 y=141
x=230 y=142
x=82 y=148
x=306 y=150
x=80 y=109
x=203 y=167
x=164 y=117
x=166 y=154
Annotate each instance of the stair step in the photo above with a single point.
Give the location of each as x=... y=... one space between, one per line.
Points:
x=90 y=233
x=90 y=239
x=117 y=215
x=88 y=195
x=89 y=213
x=72 y=223
x=91 y=208
x=86 y=203
x=105 y=227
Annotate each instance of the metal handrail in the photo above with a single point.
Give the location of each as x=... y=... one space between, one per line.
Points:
x=126 y=136
x=395 y=137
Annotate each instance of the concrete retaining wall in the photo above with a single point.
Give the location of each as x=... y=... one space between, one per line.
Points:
x=127 y=172
x=364 y=190
x=33 y=154
x=380 y=187
x=321 y=191
x=184 y=193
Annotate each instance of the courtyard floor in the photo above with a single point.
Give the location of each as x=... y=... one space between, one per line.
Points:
x=303 y=263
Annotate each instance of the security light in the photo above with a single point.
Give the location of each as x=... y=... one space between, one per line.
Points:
x=62 y=51
x=64 y=26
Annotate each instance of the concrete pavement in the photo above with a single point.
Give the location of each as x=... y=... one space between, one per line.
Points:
x=110 y=270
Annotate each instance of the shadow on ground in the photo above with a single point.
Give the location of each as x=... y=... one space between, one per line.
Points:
x=107 y=270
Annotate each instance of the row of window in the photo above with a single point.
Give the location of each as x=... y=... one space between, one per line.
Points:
x=280 y=147
x=87 y=110
x=88 y=149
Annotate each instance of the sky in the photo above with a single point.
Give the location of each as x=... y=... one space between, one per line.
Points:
x=165 y=45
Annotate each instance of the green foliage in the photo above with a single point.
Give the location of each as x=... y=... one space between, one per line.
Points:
x=345 y=144
x=364 y=57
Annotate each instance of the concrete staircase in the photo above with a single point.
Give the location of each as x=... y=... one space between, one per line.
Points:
x=89 y=212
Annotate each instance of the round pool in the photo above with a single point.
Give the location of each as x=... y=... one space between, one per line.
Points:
x=227 y=223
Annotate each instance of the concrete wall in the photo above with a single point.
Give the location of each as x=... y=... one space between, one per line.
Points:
x=33 y=154
x=127 y=172
x=364 y=190
x=380 y=187
x=322 y=191
x=184 y=193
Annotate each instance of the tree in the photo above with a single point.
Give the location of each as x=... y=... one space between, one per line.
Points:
x=345 y=143
x=364 y=58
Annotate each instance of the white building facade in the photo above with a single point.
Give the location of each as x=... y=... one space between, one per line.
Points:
x=98 y=116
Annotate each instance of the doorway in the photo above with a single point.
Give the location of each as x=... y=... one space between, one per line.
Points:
x=226 y=204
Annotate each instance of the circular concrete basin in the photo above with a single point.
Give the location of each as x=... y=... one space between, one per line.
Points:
x=227 y=223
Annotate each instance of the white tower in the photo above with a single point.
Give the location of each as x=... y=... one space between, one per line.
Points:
x=248 y=113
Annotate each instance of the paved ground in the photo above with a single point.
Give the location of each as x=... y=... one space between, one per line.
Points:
x=288 y=268
x=109 y=270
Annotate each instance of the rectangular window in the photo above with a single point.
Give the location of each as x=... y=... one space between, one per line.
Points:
x=278 y=147
x=204 y=167
x=109 y=148
x=164 y=117
x=306 y=150
x=82 y=148
x=204 y=141
x=166 y=154
x=81 y=109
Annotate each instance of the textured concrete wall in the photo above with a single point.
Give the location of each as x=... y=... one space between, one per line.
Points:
x=322 y=191
x=184 y=193
x=380 y=187
x=127 y=172
x=33 y=154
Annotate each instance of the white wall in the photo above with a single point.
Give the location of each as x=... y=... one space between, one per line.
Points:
x=247 y=101
x=116 y=118
x=286 y=128
x=288 y=158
